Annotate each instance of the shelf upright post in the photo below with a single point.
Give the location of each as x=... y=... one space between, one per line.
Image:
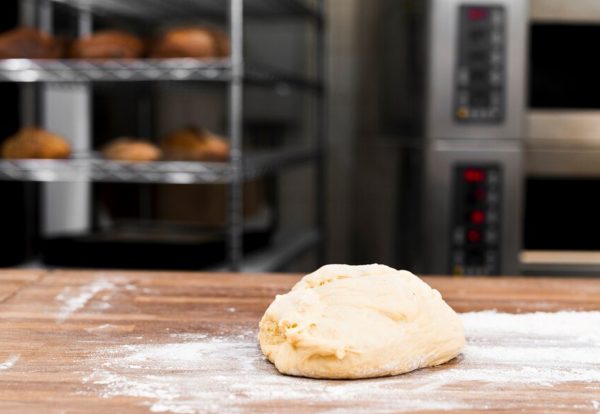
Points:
x=235 y=109
x=321 y=176
x=28 y=91
x=29 y=116
x=66 y=110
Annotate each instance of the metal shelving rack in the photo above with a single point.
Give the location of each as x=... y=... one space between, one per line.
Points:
x=232 y=71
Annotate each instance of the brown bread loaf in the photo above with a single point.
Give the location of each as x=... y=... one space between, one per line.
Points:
x=108 y=44
x=35 y=143
x=194 y=42
x=28 y=43
x=132 y=150
x=192 y=144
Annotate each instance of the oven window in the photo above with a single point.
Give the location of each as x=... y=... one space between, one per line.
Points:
x=562 y=214
x=564 y=66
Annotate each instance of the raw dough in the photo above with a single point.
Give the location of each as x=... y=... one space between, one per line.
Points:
x=366 y=321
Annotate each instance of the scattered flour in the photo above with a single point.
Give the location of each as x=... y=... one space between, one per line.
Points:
x=206 y=374
x=72 y=300
x=9 y=362
x=99 y=328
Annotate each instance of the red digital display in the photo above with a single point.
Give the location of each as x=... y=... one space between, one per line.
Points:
x=476 y=14
x=473 y=236
x=474 y=175
x=477 y=217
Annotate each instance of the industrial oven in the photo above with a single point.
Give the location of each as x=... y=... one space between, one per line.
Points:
x=459 y=93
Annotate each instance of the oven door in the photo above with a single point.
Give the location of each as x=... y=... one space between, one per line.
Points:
x=561 y=226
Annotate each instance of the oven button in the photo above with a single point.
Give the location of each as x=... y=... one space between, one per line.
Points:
x=459 y=236
x=496 y=17
x=492 y=178
x=491 y=257
x=495 y=58
x=477 y=217
x=495 y=78
x=491 y=237
x=496 y=38
x=492 y=198
x=492 y=217
x=463 y=76
x=474 y=236
x=458 y=257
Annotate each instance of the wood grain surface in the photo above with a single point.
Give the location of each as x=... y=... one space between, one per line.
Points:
x=52 y=323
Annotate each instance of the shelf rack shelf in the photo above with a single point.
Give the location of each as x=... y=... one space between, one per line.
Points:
x=75 y=70
x=90 y=168
x=142 y=70
x=216 y=9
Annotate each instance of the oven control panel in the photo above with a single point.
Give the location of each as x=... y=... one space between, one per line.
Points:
x=475 y=225
x=480 y=75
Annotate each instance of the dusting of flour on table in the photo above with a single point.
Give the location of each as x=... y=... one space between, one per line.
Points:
x=73 y=300
x=9 y=362
x=205 y=374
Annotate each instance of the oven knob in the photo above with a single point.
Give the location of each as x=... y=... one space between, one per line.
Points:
x=462 y=112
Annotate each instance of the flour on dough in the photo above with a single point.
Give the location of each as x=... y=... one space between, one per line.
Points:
x=366 y=321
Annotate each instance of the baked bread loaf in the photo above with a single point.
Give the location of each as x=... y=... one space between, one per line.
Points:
x=28 y=43
x=193 y=144
x=35 y=143
x=107 y=44
x=194 y=42
x=131 y=149
x=222 y=41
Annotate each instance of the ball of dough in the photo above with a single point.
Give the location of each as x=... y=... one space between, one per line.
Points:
x=358 y=322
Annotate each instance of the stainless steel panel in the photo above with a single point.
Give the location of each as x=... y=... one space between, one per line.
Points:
x=556 y=162
x=562 y=143
x=577 y=126
x=443 y=29
x=547 y=263
x=441 y=158
x=565 y=11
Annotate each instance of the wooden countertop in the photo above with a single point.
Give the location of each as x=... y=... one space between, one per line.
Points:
x=84 y=341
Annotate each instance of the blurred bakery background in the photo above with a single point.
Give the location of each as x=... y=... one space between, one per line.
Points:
x=187 y=135
x=443 y=136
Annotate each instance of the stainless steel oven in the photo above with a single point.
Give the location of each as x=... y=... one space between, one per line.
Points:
x=463 y=65
x=561 y=226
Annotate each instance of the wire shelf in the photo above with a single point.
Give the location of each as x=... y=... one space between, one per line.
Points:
x=184 y=9
x=140 y=70
x=75 y=70
x=170 y=172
